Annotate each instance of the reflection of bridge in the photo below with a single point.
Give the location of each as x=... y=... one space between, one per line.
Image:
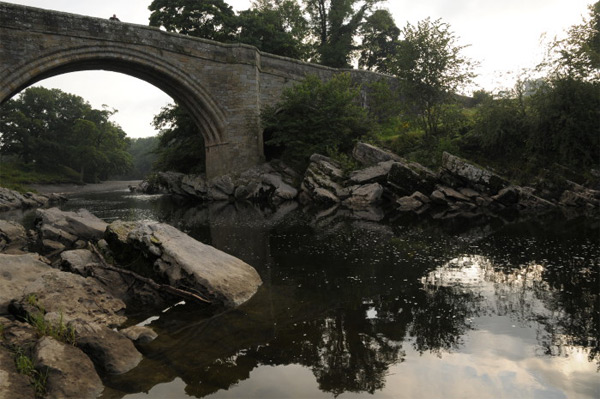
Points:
x=223 y=86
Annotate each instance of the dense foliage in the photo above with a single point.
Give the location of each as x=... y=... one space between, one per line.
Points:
x=180 y=145
x=315 y=117
x=552 y=119
x=50 y=130
x=144 y=155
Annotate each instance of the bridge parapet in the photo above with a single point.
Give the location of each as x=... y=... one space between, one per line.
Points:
x=223 y=86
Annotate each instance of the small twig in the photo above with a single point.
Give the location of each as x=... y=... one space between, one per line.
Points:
x=159 y=287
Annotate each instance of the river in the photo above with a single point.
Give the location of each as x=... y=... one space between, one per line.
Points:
x=402 y=308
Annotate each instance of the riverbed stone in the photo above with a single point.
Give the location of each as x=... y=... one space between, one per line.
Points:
x=475 y=176
x=184 y=262
x=368 y=154
x=13 y=237
x=408 y=204
x=364 y=195
x=404 y=178
x=452 y=194
x=70 y=373
x=507 y=196
x=16 y=273
x=139 y=334
x=70 y=296
x=81 y=224
x=373 y=174
x=13 y=385
x=111 y=351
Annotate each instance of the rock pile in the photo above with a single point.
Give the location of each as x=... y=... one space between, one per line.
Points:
x=65 y=311
x=459 y=188
x=268 y=183
x=10 y=200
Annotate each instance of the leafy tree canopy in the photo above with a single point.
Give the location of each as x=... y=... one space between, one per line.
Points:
x=335 y=23
x=50 y=128
x=431 y=69
x=276 y=27
x=316 y=117
x=379 y=41
x=180 y=145
x=209 y=19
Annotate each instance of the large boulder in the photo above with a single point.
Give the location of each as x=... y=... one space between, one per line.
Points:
x=474 y=176
x=111 y=351
x=373 y=174
x=70 y=373
x=16 y=273
x=64 y=226
x=323 y=181
x=404 y=178
x=368 y=154
x=181 y=261
x=364 y=196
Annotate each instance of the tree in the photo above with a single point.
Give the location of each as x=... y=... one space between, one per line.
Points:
x=316 y=117
x=50 y=128
x=578 y=55
x=334 y=24
x=379 y=41
x=432 y=69
x=209 y=19
x=180 y=145
x=276 y=27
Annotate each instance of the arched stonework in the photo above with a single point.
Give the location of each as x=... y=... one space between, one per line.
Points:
x=223 y=86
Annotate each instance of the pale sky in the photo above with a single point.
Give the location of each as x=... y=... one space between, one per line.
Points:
x=504 y=37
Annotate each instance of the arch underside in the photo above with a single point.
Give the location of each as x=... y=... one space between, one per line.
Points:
x=156 y=71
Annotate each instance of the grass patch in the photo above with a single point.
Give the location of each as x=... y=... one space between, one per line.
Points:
x=58 y=331
x=26 y=367
x=17 y=176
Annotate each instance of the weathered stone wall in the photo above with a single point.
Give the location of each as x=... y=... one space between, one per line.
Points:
x=224 y=86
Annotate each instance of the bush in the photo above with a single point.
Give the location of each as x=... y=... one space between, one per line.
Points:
x=315 y=117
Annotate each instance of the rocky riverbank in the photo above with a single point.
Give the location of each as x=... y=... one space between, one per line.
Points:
x=64 y=297
x=459 y=189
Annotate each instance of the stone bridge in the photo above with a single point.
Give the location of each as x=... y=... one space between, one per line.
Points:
x=223 y=86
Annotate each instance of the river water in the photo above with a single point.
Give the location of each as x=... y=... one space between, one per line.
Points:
x=401 y=308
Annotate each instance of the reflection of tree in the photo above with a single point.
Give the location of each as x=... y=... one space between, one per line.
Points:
x=353 y=357
x=442 y=318
x=574 y=320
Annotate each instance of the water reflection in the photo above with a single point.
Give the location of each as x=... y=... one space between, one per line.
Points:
x=354 y=307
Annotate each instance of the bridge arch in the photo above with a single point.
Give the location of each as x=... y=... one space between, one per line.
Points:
x=159 y=72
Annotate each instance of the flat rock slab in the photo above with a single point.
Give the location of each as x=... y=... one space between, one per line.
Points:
x=16 y=273
x=70 y=296
x=184 y=262
x=82 y=224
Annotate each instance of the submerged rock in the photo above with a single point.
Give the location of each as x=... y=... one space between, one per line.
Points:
x=181 y=261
